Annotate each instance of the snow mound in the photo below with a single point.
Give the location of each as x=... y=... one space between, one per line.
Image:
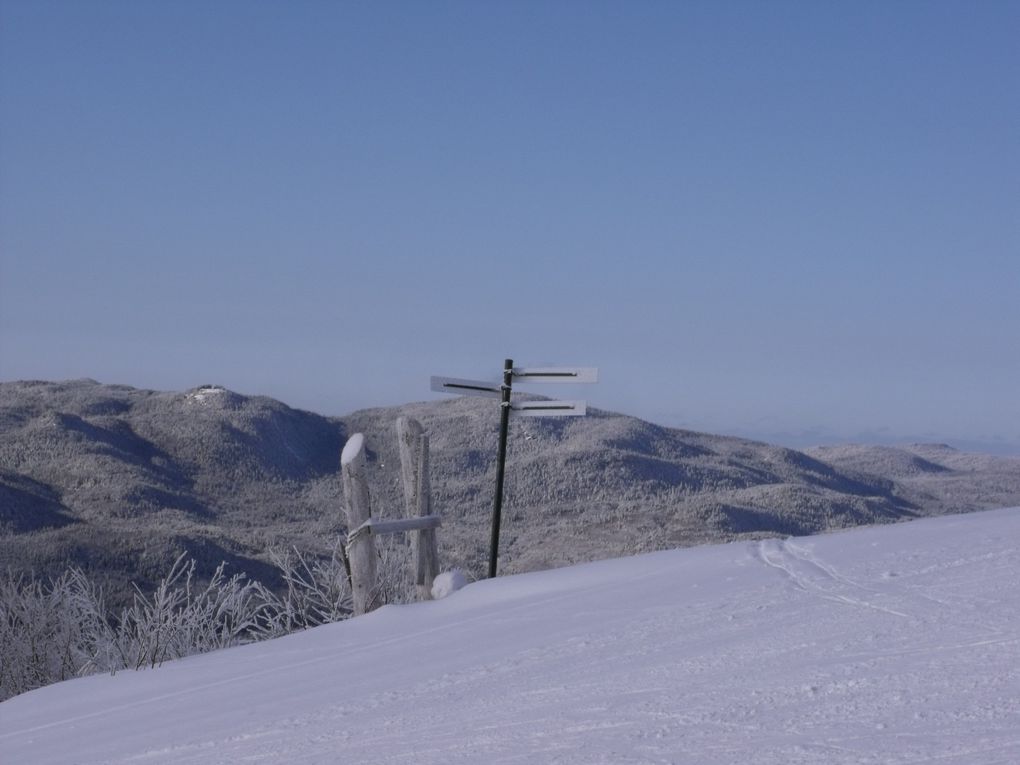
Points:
x=447 y=582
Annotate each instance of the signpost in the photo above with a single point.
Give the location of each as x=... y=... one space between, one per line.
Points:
x=521 y=409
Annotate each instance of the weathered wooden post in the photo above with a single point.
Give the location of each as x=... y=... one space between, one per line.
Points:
x=360 y=545
x=414 y=474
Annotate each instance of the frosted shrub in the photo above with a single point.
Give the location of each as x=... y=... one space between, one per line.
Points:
x=49 y=632
x=62 y=629
x=317 y=593
x=393 y=571
x=180 y=619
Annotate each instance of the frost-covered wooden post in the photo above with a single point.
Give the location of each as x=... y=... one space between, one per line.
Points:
x=414 y=474
x=360 y=545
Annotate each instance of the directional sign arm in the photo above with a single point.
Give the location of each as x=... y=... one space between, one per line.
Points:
x=556 y=374
x=467 y=387
x=549 y=408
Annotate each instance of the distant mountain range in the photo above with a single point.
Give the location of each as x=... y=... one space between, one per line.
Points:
x=120 y=481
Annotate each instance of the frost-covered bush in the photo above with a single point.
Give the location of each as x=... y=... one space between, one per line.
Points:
x=56 y=630
x=181 y=618
x=50 y=632
x=317 y=592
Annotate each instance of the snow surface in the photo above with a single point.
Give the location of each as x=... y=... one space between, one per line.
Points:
x=891 y=644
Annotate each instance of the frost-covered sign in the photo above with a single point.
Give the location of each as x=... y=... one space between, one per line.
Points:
x=556 y=374
x=503 y=392
x=466 y=387
x=549 y=408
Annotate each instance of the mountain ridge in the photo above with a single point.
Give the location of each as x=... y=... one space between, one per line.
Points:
x=120 y=480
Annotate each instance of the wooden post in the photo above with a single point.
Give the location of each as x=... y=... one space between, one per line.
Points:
x=414 y=474
x=360 y=546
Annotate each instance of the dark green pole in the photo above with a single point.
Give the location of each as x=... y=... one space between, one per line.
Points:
x=504 y=428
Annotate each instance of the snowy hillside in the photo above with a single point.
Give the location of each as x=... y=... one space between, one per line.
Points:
x=120 y=481
x=892 y=644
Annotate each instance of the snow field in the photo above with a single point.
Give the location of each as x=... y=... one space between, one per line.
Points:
x=891 y=644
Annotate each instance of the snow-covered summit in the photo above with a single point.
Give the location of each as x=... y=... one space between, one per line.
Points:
x=206 y=393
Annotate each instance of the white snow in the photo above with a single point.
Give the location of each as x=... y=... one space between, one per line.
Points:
x=891 y=644
x=351 y=449
x=201 y=394
x=448 y=582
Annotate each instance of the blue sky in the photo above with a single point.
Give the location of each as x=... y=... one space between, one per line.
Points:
x=789 y=220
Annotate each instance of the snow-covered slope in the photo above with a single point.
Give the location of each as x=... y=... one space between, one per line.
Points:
x=894 y=644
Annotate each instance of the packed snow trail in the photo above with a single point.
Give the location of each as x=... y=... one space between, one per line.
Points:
x=892 y=644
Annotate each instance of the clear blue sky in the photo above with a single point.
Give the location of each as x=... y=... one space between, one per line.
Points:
x=797 y=220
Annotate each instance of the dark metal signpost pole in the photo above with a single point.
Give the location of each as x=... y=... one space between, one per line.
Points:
x=504 y=428
x=542 y=408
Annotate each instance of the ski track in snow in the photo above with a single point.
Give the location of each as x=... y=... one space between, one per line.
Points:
x=811 y=575
x=896 y=644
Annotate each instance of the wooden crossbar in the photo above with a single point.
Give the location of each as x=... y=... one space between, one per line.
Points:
x=379 y=526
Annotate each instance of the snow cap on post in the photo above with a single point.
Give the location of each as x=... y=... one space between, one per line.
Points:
x=352 y=449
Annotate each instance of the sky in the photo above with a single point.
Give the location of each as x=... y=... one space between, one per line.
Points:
x=791 y=220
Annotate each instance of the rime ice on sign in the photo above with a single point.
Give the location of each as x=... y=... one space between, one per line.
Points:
x=556 y=374
x=557 y=408
x=466 y=387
